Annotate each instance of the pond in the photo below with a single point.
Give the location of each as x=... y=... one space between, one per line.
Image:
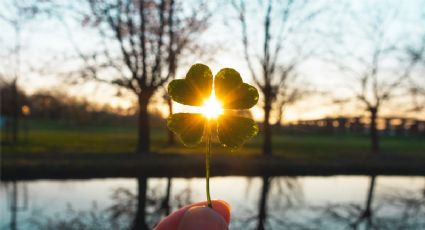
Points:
x=304 y=202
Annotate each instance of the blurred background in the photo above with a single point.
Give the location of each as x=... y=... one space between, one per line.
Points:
x=84 y=142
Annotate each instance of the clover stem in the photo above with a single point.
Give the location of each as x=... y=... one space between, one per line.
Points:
x=207 y=161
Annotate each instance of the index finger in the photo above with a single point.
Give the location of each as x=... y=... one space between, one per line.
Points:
x=173 y=220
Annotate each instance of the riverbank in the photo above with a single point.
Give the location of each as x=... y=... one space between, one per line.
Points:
x=82 y=166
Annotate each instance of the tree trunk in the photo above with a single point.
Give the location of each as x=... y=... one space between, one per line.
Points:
x=279 y=118
x=143 y=142
x=374 y=136
x=140 y=218
x=14 y=207
x=165 y=205
x=267 y=142
x=171 y=138
x=15 y=118
x=368 y=209
x=262 y=206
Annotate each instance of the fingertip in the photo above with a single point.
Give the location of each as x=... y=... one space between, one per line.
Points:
x=201 y=217
x=173 y=220
x=223 y=208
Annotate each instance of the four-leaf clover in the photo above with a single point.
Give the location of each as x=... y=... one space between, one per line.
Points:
x=229 y=90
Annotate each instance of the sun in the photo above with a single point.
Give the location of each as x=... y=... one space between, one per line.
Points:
x=212 y=108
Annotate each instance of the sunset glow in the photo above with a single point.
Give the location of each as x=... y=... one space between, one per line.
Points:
x=212 y=108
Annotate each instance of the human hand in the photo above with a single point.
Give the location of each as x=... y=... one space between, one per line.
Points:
x=198 y=216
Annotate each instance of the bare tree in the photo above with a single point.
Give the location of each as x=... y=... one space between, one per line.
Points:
x=379 y=70
x=290 y=93
x=281 y=22
x=15 y=14
x=416 y=53
x=150 y=37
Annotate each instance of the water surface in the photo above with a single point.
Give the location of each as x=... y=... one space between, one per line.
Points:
x=305 y=202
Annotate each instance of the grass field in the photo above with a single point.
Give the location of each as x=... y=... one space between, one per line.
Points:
x=49 y=137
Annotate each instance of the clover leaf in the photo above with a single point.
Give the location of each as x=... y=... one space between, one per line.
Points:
x=233 y=131
x=229 y=89
x=190 y=127
x=233 y=93
x=196 y=89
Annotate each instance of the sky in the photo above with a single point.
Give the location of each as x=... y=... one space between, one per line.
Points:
x=48 y=44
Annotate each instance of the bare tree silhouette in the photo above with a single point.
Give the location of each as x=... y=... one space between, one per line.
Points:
x=271 y=72
x=16 y=14
x=151 y=37
x=379 y=71
x=416 y=53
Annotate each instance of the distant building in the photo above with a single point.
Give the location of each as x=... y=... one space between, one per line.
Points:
x=391 y=126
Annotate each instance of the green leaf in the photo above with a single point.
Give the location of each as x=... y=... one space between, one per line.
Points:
x=195 y=88
x=189 y=127
x=232 y=92
x=234 y=131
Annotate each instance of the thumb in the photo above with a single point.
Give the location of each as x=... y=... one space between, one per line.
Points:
x=172 y=222
x=201 y=217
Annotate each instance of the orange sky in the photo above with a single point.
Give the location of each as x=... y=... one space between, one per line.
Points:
x=46 y=48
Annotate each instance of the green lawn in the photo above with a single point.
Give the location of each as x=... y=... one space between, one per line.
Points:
x=48 y=137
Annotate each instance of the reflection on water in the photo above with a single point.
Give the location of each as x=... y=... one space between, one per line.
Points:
x=338 y=202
